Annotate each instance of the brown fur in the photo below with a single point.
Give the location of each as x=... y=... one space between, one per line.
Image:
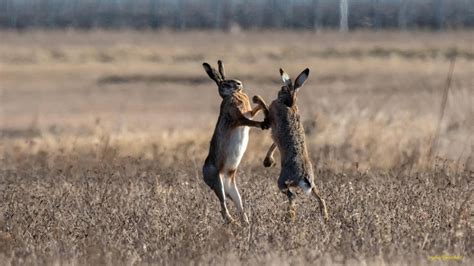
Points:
x=229 y=140
x=289 y=136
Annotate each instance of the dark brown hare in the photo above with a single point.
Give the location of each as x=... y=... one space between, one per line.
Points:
x=288 y=135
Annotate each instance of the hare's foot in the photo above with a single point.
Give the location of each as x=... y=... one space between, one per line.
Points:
x=291 y=214
x=322 y=204
x=244 y=219
x=227 y=218
x=324 y=210
x=283 y=186
x=291 y=208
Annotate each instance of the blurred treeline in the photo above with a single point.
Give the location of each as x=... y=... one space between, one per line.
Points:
x=234 y=14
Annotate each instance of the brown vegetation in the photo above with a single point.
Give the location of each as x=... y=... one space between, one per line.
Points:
x=104 y=135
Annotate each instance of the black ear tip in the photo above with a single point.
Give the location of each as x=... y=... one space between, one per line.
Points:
x=281 y=71
x=306 y=71
x=206 y=66
x=219 y=62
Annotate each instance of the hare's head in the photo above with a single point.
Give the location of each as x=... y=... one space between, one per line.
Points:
x=287 y=94
x=226 y=86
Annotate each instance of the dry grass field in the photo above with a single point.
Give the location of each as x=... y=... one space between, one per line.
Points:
x=103 y=136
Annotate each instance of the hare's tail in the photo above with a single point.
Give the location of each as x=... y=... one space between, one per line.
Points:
x=305 y=185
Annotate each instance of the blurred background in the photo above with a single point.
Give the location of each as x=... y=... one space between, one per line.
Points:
x=106 y=116
x=391 y=80
x=245 y=14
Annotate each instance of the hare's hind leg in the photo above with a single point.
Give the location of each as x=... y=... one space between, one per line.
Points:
x=284 y=188
x=291 y=206
x=213 y=179
x=233 y=192
x=322 y=203
x=220 y=192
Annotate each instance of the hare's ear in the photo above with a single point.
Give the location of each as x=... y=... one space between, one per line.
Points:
x=285 y=77
x=301 y=79
x=221 y=69
x=212 y=73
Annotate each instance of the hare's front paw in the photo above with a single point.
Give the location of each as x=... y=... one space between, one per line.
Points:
x=265 y=124
x=256 y=99
x=268 y=162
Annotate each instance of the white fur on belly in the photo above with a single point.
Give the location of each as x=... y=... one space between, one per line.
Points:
x=236 y=146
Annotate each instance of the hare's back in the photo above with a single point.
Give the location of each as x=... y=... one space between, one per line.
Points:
x=288 y=134
x=287 y=129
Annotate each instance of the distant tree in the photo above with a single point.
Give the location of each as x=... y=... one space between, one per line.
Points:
x=217 y=14
x=11 y=12
x=316 y=14
x=344 y=14
x=402 y=15
x=439 y=14
x=288 y=8
x=154 y=7
x=228 y=13
x=180 y=14
x=375 y=14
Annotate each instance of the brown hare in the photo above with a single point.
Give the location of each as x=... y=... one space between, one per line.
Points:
x=288 y=135
x=229 y=141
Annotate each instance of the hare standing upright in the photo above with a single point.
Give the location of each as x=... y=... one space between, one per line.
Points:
x=288 y=135
x=229 y=141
